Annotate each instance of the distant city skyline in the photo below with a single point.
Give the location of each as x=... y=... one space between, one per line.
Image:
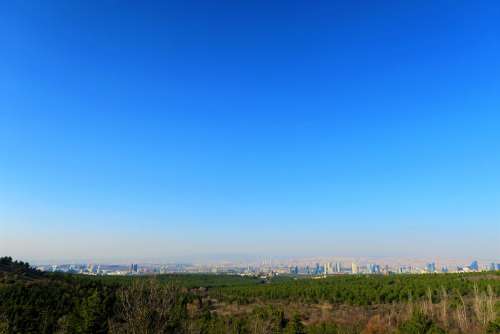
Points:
x=216 y=260
x=183 y=129
x=268 y=267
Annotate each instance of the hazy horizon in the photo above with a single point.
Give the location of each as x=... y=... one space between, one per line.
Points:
x=178 y=129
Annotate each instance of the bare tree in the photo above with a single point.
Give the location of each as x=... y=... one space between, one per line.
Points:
x=462 y=314
x=148 y=307
x=410 y=307
x=429 y=307
x=490 y=305
x=444 y=306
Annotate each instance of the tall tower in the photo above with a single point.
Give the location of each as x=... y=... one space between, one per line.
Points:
x=354 y=268
x=327 y=268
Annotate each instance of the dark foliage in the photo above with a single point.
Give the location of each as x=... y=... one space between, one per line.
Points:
x=420 y=324
x=36 y=302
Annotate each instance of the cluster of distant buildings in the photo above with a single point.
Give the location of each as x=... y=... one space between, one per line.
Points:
x=115 y=269
x=266 y=269
x=332 y=268
x=473 y=267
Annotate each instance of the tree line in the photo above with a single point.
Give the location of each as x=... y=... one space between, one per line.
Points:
x=36 y=302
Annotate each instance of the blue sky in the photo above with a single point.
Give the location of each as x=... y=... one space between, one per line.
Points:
x=176 y=128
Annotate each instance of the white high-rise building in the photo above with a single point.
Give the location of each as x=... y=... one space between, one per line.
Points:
x=328 y=268
x=354 y=268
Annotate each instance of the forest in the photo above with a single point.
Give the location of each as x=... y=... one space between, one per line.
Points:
x=37 y=302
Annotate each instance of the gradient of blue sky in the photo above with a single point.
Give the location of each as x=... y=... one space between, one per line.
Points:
x=172 y=128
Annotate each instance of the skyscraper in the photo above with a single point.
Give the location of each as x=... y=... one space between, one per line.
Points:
x=317 y=271
x=474 y=266
x=133 y=268
x=374 y=268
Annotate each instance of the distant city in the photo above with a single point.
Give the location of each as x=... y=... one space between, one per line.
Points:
x=270 y=268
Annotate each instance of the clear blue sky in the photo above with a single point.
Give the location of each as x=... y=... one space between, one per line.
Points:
x=174 y=128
